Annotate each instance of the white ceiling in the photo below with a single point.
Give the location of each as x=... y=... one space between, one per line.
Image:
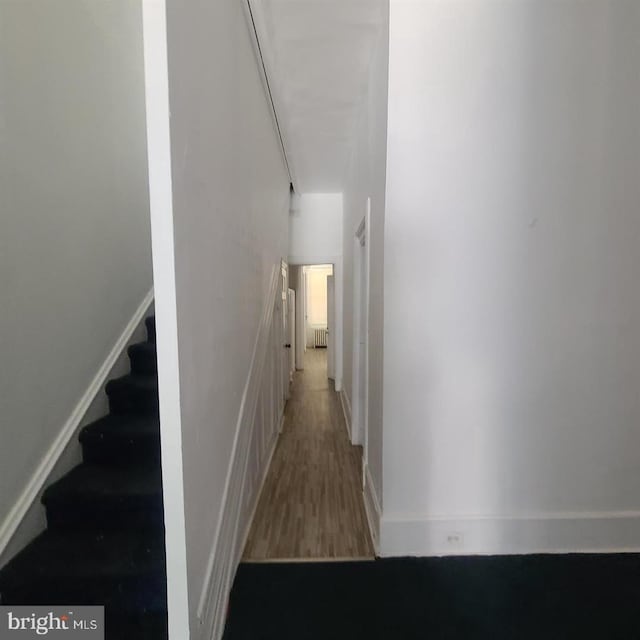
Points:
x=317 y=54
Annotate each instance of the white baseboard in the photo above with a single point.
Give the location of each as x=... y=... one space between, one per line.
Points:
x=69 y=429
x=372 y=509
x=346 y=410
x=222 y=603
x=603 y=532
x=256 y=500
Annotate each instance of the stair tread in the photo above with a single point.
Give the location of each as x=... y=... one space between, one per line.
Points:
x=143 y=382
x=122 y=427
x=80 y=555
x=88 y=480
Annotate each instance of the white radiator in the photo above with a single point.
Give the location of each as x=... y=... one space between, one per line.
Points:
x=321 y=338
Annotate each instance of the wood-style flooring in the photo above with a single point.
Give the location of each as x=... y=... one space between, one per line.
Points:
x=311 y=506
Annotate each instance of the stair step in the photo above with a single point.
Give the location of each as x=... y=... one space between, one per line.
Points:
x=103 y=498
x=122 y=440
x=142 y=356
x=150 y=322
x=133 y=393
x=87 y=568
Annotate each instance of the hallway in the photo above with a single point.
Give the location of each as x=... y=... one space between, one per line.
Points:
x=311 y=504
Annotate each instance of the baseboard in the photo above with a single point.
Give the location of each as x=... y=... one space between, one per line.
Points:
x=38 y=479
x=256 y=500
x=346 y=410
x=372 y=509
x=223 y=582
x=223 y=585
x=602 y=532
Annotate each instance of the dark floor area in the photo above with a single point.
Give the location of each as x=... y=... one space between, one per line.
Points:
x=545 y=597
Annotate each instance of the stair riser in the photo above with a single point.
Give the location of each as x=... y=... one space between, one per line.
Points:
x=151 y=329
x=143 y=364
x=103 y=515
x=144 y=452
x=140 y=402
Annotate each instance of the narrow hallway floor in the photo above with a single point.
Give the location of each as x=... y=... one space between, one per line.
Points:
x=311 y=506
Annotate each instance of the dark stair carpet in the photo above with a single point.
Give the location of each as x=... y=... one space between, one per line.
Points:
x=533 y=597
x=104 y=542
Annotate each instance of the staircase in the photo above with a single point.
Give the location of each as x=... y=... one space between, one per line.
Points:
x=105 y=538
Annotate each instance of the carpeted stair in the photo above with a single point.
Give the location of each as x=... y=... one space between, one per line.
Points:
x=105 y=538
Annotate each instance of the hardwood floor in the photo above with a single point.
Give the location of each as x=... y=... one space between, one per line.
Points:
x=311 y=506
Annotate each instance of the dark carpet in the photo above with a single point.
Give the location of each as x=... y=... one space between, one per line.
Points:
x=545 y=597
x=104 y=542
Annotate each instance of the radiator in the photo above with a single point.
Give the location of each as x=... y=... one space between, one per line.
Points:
x=321 y=338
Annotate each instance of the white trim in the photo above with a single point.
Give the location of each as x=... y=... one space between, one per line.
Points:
x=304 y=560
x=372 y=509
x=259 y=418
x=312 y=260
x=263 y=479
x=346 y=410
x=551 y=532
x=156 y=82
x=39 y=477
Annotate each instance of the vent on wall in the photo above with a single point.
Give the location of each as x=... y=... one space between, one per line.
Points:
x=321 y=338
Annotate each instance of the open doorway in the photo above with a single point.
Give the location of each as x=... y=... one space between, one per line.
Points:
x=314 y=291
x=319 y=312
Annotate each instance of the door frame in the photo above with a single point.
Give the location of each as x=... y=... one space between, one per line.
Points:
x=284 y=330
x=360 y=410
x=291 y=338
x=331 y=322
x=337 y=262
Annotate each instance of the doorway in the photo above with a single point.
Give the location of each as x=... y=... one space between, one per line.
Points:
x=315 y=315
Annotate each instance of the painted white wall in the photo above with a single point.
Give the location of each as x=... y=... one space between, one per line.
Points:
x=315 y=227
x=512 y=311
x=315 y=237
x=217 y=238
x=75 y=247
x=365 y=178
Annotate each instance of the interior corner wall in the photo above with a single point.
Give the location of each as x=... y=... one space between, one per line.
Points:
x=230 y=214
x=512 y=311
x=365 y=178
x=75 y=248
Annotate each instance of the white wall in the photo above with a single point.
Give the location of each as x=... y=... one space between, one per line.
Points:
x=75 y=247
x=365 y=178
x=315 y=237
x=224 y=228
x=512 y=311
x=315 y=227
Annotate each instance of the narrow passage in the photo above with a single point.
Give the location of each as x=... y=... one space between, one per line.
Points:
x=311 y=505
